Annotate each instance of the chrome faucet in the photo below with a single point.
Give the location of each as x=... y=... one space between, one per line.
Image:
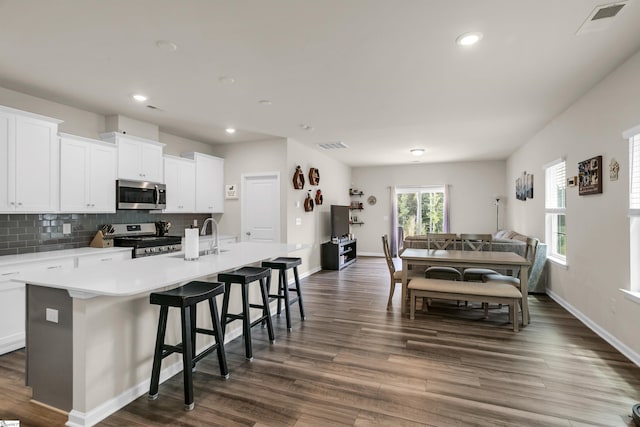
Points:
x=214 y=245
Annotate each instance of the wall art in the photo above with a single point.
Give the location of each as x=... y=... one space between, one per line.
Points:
x=524 y=186
x=590 y=176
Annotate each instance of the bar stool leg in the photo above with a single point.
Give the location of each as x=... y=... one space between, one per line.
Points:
x=193 y=334
x=287 y=306
x=187 y=358
x=246 y=322
x=157 y=355
x=225 y=307
x=298 y=291
x=264 y=285
x=222 y=359
x=281 y=285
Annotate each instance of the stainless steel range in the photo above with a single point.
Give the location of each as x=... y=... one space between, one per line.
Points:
x=143 y=240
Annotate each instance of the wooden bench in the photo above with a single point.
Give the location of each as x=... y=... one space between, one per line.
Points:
x=496 y=293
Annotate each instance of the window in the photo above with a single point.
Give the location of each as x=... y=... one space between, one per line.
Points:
x=633 y=135
x=422 y=210
x=554 y=201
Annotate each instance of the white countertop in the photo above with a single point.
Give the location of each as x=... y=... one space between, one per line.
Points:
x=53 y=255
x=146 y=274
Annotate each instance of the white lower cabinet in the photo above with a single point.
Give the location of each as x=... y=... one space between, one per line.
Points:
x=12 y=300
x=12 y=294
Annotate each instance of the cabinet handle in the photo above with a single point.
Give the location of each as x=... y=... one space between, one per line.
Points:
x=12 y=203
x=19 y=203
x=88 y=204
x=93 y=205
x=53 y=266
x=10 y=274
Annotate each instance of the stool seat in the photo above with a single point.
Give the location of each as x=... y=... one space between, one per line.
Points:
x=282 y=263
x=187 y=298
x=244 y=275
x=189 y=294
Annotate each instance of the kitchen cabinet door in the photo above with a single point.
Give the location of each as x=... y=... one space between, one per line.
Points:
x=87 y=175
x=29 y=151
x=139 y=159
x=209 y=182
x=180 y=179
x=12 y=300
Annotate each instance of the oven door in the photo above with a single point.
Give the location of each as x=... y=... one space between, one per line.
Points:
x=140 y=195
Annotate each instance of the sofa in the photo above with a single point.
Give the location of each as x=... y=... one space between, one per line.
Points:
x=504 y=241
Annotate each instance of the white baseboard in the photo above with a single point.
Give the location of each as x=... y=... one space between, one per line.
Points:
x=94 y=416
x=376 y=254
x=12 y=342
x=604 y=334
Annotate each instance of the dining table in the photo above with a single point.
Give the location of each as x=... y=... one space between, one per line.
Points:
x=466 y=259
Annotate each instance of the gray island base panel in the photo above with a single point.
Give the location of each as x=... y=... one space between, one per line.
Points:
x=98 y=357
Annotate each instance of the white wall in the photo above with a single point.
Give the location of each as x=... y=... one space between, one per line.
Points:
x=251 y=157
x=472 y=191
x=597 y=225
x=315 y=226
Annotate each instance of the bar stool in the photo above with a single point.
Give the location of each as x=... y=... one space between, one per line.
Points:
x=245 y=276
x=282 y=264
x=186 y=298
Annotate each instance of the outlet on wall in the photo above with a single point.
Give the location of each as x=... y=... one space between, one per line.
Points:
x=52 y=315
x=66 y=228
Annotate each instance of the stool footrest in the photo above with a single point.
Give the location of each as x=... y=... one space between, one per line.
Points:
x=231 y=317
x=261 y=307
x=204 y=353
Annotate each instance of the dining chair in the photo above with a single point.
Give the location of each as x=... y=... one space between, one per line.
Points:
x=476 y=242
x=442 y=241
x=530 y=254
x=394 y=275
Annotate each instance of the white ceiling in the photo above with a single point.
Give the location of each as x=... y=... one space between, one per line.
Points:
x=382 y=76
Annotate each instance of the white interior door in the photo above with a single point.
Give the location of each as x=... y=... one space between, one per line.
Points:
x=260 y=195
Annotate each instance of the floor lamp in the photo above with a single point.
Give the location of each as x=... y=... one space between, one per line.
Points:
x=497 y=213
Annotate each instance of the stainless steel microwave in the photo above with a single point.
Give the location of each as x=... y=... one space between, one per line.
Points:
x=140 y=195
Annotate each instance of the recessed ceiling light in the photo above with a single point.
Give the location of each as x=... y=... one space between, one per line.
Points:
x=230 y=130
x=417 y=151
x=265 y=102
x=468 y=39
x=226 y=80
x=139 y=97
x=167 y=45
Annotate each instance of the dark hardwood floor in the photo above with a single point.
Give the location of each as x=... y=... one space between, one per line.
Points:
x=352 y=362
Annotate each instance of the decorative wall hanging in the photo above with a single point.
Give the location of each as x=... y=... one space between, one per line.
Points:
x=319 y=197
x=524 y=186
x=298 y=178
x=308 y=203
x=231 y=191
x=314 y=176
x=372 y=200
x=614 y=168
x=572 y=181
x=590 y=176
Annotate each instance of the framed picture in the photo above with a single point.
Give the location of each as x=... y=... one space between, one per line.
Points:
x=590 y=176
x=231 y=191
x=524 y=186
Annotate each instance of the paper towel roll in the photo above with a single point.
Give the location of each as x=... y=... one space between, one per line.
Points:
x=191 y=244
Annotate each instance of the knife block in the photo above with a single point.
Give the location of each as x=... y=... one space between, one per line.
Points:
x=100 y=242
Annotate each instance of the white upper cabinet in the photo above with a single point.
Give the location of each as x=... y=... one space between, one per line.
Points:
x=139 y=159
x=209 y=182
x=87 y=175
x=180 y=179
x=29 y=165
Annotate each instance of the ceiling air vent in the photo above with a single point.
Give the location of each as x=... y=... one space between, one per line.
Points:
x=601 y=17
x=333 y=145
x=153 y=107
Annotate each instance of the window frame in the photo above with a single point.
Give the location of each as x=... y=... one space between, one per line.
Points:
x=555 y=209
x=633 y=139
x=419 y=190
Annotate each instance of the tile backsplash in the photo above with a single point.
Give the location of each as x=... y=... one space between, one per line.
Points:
x=27 y=233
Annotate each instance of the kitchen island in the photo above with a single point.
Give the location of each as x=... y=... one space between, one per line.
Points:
x=91 y=331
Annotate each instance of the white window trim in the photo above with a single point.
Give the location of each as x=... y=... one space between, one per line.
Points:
x=633 y=292
x=561 y=261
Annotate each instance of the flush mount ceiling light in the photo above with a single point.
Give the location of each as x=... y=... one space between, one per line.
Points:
x=468 y=39
x=226 y=80
x=139 y=97
x=230 y=130
x=265 y=102
x=167 y=45
x=306 y=127
x=417 y=151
